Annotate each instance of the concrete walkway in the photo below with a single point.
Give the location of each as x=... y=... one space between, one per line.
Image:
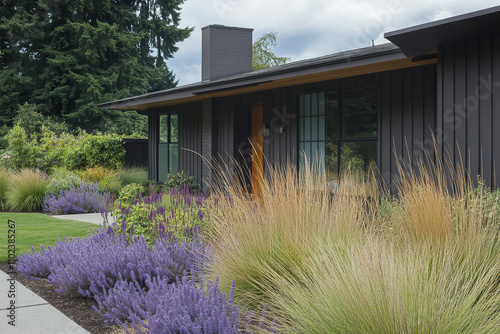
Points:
x=93 y=218
x=30 y=313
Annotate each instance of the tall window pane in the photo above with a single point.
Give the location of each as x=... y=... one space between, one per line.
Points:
x=339 y=127
x=168 y=147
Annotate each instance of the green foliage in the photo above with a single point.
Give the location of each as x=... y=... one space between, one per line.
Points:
x=69 y=56
x=27 y=190
x=62 y=179
x=49 y=149
x=176 y=181
x=262 y=56
x=137 y=220
x=4 y=130
x=104 y=150
x=128 y=124
x=137 y=175
x=176 y=211
x=4 y=185
x=32 y=121
x=105 y=177
x=129 y=193
x=22 y=149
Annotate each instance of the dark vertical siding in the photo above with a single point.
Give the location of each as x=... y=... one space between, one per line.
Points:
x=406 y=121
x=495 y=84
x=190 y=138
x=469 y=105
x=396 y=130
x=385 y=140
x=153 y=145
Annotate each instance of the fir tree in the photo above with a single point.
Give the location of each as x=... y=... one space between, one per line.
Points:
x=66 y=56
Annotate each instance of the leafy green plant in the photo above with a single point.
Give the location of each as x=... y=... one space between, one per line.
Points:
x=27 y=190
x=106 y=150
x=176 y=213
x=32 y=121
x=130 y=193
x=22 y=149
x=108 y=179
x=4 y=185
x=138 y=175
x=62 y=179
x=48 y=148
x=177 y=180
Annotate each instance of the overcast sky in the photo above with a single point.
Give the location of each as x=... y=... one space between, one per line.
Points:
x=309 y=28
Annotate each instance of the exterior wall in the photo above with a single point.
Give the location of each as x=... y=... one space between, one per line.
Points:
x=190 y=138
x=406 y=117
x=468 y=77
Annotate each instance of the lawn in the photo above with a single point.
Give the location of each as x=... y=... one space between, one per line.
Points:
x=37 y=229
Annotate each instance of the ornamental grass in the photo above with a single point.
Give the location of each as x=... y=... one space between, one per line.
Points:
x=4 y=186
x=326 y=261
x=27 y=190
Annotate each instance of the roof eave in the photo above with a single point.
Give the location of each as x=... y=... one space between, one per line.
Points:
x=256 y=78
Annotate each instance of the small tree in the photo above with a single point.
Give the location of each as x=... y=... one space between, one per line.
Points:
x=262 y=56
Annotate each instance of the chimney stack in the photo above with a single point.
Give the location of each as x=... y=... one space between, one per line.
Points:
x=226 y=51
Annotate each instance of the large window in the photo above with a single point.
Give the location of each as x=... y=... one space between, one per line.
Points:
x=339 y=128
x=168 y=147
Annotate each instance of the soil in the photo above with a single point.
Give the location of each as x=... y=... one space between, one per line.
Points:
x=78 y=309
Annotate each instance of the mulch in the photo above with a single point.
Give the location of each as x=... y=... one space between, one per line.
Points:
x=78 y=309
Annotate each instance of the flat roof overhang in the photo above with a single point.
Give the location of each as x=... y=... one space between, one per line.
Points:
x=420 y=39
x=302 y=73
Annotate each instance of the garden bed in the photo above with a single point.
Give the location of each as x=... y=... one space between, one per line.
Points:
x=76 y=308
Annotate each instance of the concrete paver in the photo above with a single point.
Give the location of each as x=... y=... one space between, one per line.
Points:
x=24 y=312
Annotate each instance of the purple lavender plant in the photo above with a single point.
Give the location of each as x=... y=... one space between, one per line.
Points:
x=93 y=265
x=80 y=199
x=163 y=307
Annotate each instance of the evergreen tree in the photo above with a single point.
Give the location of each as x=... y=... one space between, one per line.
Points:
x=66 y=56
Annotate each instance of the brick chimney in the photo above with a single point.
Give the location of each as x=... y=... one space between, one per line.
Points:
x=226 y=51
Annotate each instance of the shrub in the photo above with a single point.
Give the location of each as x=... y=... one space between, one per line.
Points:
x=97 y=174
x=83 y=198
x=136 y=175
x=130 y=193
x=62 y=179
x=176 y=181
x=93 y=265
x=106 y=150
x=53 y=147
x=170 y=308
x=22 y=149
x=27 y=190
x=329 y=263
x=4 y=185
x=105 y=177
x=178 y=212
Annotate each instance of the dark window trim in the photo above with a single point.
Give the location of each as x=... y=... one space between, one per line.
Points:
x=169 y=140
x=340 y=139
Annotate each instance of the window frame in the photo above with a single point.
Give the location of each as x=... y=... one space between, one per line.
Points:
x=168 y=144
x=340 y=137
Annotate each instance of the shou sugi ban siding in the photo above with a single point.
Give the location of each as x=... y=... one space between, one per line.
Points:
x=468 y=77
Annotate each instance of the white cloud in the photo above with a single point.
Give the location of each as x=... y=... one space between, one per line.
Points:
x=309 y=28
x=440 y=14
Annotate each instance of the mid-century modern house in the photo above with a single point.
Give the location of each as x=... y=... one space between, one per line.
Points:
x=372 y=105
